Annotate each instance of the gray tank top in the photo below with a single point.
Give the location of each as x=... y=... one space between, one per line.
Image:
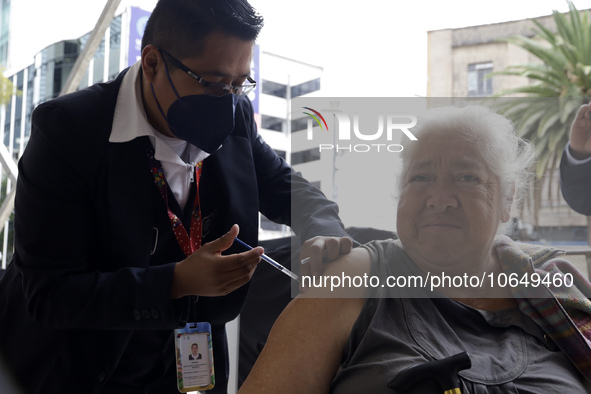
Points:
x=509 y=352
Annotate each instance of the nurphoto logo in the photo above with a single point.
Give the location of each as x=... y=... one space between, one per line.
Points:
x=388 y=127
x=316 y=116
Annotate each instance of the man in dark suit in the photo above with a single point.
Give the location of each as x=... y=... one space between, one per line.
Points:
x=575 y=165
x=129 y=192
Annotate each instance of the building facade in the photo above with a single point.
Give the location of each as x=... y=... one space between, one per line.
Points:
x=4 y=31
x=459 y=61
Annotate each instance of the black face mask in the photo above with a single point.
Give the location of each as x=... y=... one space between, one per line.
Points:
x=202 y=120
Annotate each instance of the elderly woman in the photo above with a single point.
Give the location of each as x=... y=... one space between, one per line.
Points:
x=458 y=183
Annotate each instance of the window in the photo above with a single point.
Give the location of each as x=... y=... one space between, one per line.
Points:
x=299 y=124
x=305 y=156
x=4 y=31
x=98 y=72
x=274 y=89
x=115 y=47
x=478 y=84
x=305 y=88
x=271 y=123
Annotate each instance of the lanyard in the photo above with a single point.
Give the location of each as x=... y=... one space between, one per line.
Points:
x=189 y=243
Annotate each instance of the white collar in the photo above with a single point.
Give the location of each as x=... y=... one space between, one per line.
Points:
x=130 y=121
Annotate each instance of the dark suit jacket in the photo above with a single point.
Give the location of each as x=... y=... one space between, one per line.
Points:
x=83 y=279
x=575 y=181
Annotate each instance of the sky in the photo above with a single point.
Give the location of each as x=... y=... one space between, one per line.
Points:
x=369 y=48
x=377 y=47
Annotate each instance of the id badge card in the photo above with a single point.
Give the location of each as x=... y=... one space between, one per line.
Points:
x=194 y=357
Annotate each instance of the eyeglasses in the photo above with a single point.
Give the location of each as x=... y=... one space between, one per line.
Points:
x=214 y=88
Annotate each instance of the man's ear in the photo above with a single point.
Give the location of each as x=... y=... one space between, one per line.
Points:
x=507 y=203
x=151 y=57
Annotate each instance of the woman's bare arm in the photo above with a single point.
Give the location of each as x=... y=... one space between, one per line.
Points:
x=305 y=346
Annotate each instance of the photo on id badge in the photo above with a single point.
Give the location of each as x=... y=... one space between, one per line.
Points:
x=194 y=359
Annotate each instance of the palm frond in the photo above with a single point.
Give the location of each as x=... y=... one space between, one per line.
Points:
x=562 y=82
x=547 y=122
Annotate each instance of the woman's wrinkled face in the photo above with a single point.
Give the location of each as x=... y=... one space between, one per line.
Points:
x=450 y=206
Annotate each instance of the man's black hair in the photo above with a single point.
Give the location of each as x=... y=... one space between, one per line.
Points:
x=180 y=26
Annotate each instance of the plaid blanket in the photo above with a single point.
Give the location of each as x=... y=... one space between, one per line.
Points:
x=561 y=307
